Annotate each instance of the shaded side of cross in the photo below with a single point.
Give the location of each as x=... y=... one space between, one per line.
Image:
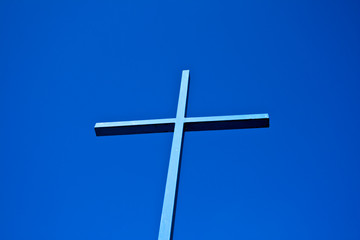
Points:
x=178 y=125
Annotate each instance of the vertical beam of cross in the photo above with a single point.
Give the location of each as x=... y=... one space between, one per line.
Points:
x=168 y=210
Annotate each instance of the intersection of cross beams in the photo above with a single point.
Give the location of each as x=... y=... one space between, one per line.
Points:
x=178 y=125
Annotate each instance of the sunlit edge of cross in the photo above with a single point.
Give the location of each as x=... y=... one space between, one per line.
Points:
x=178 y=125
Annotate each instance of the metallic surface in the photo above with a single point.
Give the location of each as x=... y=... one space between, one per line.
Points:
x=167 y=215
x=191 y=124
x=227 y=122
x=133 y=127
x=179 y=125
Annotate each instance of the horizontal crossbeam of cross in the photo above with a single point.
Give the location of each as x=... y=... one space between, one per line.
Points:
x=190 y=124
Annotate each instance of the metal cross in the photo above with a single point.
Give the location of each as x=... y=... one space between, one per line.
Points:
x=178 y=125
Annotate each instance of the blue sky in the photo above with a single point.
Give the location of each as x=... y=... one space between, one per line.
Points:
x=65 y=65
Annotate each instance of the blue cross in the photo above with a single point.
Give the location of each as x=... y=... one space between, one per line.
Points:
x=178 y=125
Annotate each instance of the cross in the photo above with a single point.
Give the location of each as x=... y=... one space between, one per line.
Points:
x=178 y=125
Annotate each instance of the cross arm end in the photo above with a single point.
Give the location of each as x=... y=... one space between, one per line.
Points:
x=227 y=122
x=134 y=127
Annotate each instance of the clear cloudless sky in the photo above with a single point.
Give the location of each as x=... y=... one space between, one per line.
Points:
x=65 y=65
